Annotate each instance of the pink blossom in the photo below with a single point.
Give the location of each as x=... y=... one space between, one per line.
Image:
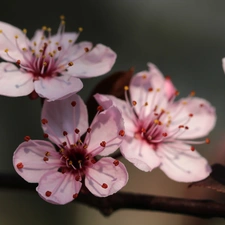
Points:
x=61 y=173
x=48 y=65
x=159 y=131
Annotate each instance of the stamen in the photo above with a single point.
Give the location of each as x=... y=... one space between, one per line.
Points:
x=77 y=131
x=207 y=141
x=45 y=158
x=44 y=121
x=19 y=165
x=48 y=193
x=75 y=196
x=103 y=144
x=100 y=108
x=122 y=133
x=80 y=29
x=64 y=133
x=45 y=135
x=73 y=103
x=70 y=64
x=27 y=138
x=192 y=148
x=116 y=162
x=104 y=185
x=89 y=130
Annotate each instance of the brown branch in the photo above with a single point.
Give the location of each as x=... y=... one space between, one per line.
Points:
x=122 y=200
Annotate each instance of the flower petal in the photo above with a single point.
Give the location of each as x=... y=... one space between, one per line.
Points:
x=96 y=62
x=13 y=82
x=170 y=88
x=181 y=164
x=9 y=41
x=223 y=64
x=58 y=188
x=127 y=113
x=147 y=89
x=106 y=177
x=107 y=127
x=56 y=88
x=29 y=163
x=62 y=116
x=200 y=124
x=140 y=153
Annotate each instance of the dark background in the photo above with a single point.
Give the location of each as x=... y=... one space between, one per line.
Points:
x=185 y=39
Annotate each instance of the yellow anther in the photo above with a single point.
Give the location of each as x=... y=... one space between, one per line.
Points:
x=70 y=63
x=62 y=17
x=70 y=41
x=24 y=31
x=192 y=93
x=144 y=76
x=1 y=31
x=49 y=41
x=63 y=22
x=44 y=28
x=41 y=50
x=54 y=51
x=146 y=103
x=61 y=150
x=184 y=103
x=6 y=50
x=57 y=43
x=126 y=88
x=134 y=103
x=49 y=29
x=42 y=38
x=158 y=89
x=44 y=63
x=70 y=163
x=50 y=54
x=16 y=36
x=33 y=51
x=24 y=49
x=80 y=29
x=35 y=43
x=85 y=146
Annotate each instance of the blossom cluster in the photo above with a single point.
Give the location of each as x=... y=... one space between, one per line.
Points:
x=149 y=127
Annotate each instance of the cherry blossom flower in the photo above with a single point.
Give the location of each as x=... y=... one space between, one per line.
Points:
x=159 y=131
x=48 y=65
x=61 y=173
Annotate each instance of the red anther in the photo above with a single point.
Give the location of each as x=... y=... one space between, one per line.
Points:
x=26 y=138
x=59 y=48
x=156 y=114
x=77 y=177
x=89 y=130
x=18 y=62
x=116 y=162
x=93 y=161
x=100 y=108
x=168 y=77
x=150 y=89
x=75 y=196
x=45 y=135
x=134 y=103
x=192 y=93
x=86 y=49
x=103 y=143
x=104 y=185
x=186 y=127
x=61 y=170
x=177 y=93
x=201 y=105
x=64 y=133
x=48 y=193
x=44 y=121
x=45 y=158
x=191 y=115
x=207 y=140
x=160 y=123
x=77 y=131
x=64 y=143
x=143 y=130
x=164 y=134
x=181 y=126
x=192 y=148
x=122 y=133
x=73 y=103
x=19 y=165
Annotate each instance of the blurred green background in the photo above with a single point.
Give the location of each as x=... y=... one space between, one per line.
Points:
x=185 y=39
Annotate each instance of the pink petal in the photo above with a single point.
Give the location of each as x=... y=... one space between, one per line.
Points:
x=96 y=62
x=127 y=113
x=13 y=82
x=37 y=38
x=77 y=51
x=140 y=87
x=106 y=127
x=200 y=124
x=106 y=177
x=58 y=188
x=57 y=87
x=29 y=163
x=8 y=41
x=170 y=89
x=140 y=153
x=181 y=164
x=62 y=116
